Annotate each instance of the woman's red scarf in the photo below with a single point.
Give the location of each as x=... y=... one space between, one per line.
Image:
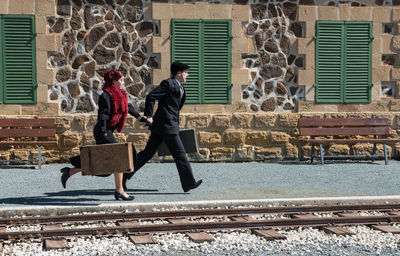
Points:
x=119 y=105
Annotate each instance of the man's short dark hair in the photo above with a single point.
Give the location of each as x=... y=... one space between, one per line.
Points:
x=177 y=66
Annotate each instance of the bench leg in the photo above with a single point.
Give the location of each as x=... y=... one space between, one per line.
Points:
x=385 y=152
x=40 y=158
x=321 y=152
x=312 y=153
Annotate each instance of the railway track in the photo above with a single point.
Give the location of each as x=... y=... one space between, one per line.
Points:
x=139 y=226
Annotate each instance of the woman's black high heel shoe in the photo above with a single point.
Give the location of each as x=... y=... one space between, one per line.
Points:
x=64 y=176
x=121 y=196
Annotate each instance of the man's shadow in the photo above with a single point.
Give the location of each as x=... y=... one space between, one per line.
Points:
x=88 y=197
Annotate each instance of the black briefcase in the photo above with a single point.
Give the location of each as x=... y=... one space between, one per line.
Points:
x=189 y=141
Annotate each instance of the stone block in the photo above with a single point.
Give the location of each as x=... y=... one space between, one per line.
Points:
x=63 y=123
x=395 y=74
x=240 y=13
x=198 y=120
x=234 y=137
x=41 y=108
x=279 y=137
x=264 y=120
x=165 y=28
x=78 y=124
x=221 y=152
x=306 y=77
x=208 y=108
x=395 y=14
x=138 y=139
x=242 y=120
x=381 y=73
x=219 y=11
x=45 y=76
x=240 y=45
x=344 y=11
x=376 y=60
x=45 y=8
x=381 y=14
x=48 y=42
x=183 y=11
x=395 y=105
x=286 y=120
x=310 y=93
x=188 y=108
x=3 y=7
x=310 y=60
x=361 y=13
x=328 y=13
x=209 y=139
x=305 y=46
x=387 y=44
x=377 y=46
x=221 y=122
x=291 y=152
x=69 y=139
x=42 y=93
x=88 y=138
x=201 y=10
x=309 y=29
x=307 y=13
x=244 y=153
x=9 y=109
x=240 y=76
x=159 y=75
x=161 y=11
x=274 y=153
x=236 y=93
x=161 y=45
x=397 y=89
x=237 y=61
x=377 y=30
x=256 y=138
x=41 y=59
x=21 y=7
x=237 y=29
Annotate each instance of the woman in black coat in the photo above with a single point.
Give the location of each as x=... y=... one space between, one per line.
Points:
x=113 y=111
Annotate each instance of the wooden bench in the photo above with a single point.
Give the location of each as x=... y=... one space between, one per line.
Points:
x=321 y=131
x=27 y=132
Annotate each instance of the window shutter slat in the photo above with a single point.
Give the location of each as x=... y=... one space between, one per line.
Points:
x=19 y=59
x=328 y=62
x=217 y=62
x=186 y=48
x=357 y=62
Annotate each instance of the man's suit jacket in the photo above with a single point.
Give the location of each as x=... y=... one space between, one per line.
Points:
x=166 y=118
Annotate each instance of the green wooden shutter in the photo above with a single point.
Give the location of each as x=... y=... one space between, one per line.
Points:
x=186 y=38
x=329 y=62
x=18 y=59
x=357 y=68
x=217 y=61
x=205 y=45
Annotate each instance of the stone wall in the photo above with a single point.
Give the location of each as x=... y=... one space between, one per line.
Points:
x=221 y=137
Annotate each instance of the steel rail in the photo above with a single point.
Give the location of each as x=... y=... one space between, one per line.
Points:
x=204 y=226
x=194 y=213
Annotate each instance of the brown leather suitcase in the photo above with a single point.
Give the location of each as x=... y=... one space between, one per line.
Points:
x=107 y=159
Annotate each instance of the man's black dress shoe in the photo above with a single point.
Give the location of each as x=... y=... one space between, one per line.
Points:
x=195 y=185
x=64 y=176
x=121 y=196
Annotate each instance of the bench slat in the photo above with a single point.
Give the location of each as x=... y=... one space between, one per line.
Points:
x=27 y=143
x=15 y=133
x=330 y=122
x=344 y=131
x=343 y=141
x=46 y=122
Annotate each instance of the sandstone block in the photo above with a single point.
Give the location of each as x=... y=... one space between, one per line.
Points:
x=91 y=122
x=305 y=45
x=288 y=120
x=88 y=138
x=395 y=73
x=120 y=137
x=377 y=30
x=279 y=137
x=3 y=8
x=138 y=139
x=221 y=151
x=396 y=14
x=20 y=154
x=306 y=77
x=45 y=8
x=21 y=7
x=387 y=44
x=41 y=108
x=361 y=13
x=70 y=139
x=328 y=13
x=234 y=137
x=381 y=14
x=245 y=153
x=264 y=120
x=161 y=11
x=201 y=10
x=63 y=123
x=291 y=152
x=344 y=11
x=198 y=121
x=240 y=12
x=256 y=137
x=209 y=139
x=263 y=154
x=219 y=11
x=307 y=13
x=183 y=11
x=78 y=124
x=240 y=45
x=237 y=29
x=310 y=29
x=338 y=150
x=221 y=122
x=242 y=120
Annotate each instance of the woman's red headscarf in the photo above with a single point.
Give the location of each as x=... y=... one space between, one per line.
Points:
x=119 y=100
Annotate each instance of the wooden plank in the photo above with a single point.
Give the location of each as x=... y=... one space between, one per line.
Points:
x=340 y=231
x=51 y=227
x=52 y=244
x=242 y=218
x=200 y=237
x=27 y=143
x=386 y=229
x=348 y=214
x=344 y=131
x=178 y=221
x=142 y=239
x=316 y=122
x=16 y=133
x=127 y=223
x=46 y=122
x=269 y=234
x=350 y=140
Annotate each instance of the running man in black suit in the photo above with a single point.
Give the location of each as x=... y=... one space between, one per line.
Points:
x=164 y=125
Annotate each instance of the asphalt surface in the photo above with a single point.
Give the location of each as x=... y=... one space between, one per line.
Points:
x=159 y=182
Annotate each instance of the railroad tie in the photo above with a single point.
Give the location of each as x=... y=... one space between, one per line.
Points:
x=54 y=244
x=348 y=214
x=127 y=223
x=386 y=229
x=200 y=237
x=340 y=231
x=242 y=218
x=269 y=234
x=394 y=212
x=302 y=216
x=142 y=239
x=178 y=221
x=51 y=227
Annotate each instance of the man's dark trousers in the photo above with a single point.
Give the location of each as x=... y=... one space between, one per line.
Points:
x=175 y=146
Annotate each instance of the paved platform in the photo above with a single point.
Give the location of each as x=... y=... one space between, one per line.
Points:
x=158 y=184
